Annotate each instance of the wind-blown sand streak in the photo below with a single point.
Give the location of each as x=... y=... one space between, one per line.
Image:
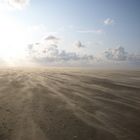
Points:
x=66 y=104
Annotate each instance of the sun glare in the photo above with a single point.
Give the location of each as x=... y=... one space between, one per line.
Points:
x=12 y=39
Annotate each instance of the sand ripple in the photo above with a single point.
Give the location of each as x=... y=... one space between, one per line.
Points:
x=66 y=104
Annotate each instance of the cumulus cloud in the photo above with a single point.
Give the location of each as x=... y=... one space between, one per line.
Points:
x=109 y=21
x=79 y=44
x=118 y=54
x=52 y=40
x=18 y=4
x=51 y=37
x=45 y=53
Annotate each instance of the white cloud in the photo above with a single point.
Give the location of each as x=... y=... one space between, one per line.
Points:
x=109 y=21
x=51 y=37
x=98 y=31
x=117 y=54
x=51 y=40
x=45 y=53
x=17 y=4
x=134 y=57
x=79 y=44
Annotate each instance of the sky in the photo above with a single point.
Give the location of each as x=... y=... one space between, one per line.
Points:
x=93 y=33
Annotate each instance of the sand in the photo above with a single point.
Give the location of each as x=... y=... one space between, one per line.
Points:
x=69 y=104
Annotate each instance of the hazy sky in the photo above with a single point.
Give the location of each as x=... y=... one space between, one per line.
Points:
x=70 y=32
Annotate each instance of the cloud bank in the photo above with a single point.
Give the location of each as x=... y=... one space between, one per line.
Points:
x=118 y=57
x=50 y=54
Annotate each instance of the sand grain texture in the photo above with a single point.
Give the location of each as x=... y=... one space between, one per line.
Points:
x=66 y=104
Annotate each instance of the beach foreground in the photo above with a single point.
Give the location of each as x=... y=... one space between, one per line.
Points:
x=69 y=104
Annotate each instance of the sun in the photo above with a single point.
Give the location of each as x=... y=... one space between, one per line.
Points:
x=12 y=39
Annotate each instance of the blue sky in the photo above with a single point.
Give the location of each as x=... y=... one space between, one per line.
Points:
x=84 y=27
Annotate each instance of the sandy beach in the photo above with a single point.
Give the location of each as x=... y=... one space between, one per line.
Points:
x=69 y=104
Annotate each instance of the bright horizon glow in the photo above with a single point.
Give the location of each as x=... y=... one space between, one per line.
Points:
x=13 y=39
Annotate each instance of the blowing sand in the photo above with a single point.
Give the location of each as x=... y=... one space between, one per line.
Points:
x=57 y=104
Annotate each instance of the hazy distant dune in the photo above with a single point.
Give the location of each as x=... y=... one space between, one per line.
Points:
x=66 y=104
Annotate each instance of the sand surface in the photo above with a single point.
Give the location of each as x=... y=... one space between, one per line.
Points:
x=69 y=104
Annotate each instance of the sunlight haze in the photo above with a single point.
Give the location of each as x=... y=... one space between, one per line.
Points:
x=92 y=33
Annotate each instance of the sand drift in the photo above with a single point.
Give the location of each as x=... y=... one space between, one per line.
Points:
x=57 y=104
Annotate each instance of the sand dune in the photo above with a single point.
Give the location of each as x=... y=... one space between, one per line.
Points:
x=67 y=104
